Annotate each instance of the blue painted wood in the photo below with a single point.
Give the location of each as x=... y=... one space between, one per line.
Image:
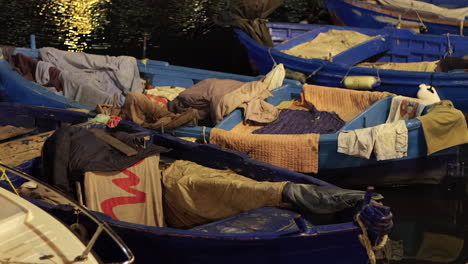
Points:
x=407 y=47
x=448 y=3
x=330 y=160
x=280 y=240
x=358 y=13
x=15 y=88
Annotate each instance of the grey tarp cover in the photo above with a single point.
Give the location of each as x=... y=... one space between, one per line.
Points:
x=250 y=15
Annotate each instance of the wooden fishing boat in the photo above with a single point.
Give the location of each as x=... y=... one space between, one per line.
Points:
x=417 y=167
x=369 y=14
x=17 y=89
x=259 y=235
x=393 y=46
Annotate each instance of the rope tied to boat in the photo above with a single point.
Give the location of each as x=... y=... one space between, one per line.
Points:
x=365 y=241
x=204 y=135
x=4 y=176
x=314 y=72
x=346 y=75
x=462 y=24
x=272 y=58
x=449 y=46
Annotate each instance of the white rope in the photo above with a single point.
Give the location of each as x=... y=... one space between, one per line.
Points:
x=271 y=56
x=204 y=134
x=449 y=46
x=346 y=75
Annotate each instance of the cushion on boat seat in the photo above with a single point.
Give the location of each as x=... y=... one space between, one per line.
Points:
x=264 y=219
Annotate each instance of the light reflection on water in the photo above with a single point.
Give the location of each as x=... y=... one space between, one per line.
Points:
x=75 y=21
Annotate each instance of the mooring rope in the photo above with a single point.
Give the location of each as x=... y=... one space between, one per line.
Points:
x=366 y=243
x=4 y=176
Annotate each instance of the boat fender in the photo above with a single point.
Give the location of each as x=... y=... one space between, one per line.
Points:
x=361 y=82
x=428 y=94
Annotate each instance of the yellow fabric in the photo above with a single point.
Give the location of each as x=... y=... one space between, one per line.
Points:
x=331 y=42
x=285 y=104
x=168 y=92
x=444 y=126
x=195 y=195
x=274 y=79
x=294 y=152
x=346 y=103
x=439 y=248
x=132 y=195
x=422 y=66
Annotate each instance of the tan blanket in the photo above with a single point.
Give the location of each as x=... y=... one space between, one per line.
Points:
x=346 y=103
x=294 y=152
x=328 y=44
x=195 y=195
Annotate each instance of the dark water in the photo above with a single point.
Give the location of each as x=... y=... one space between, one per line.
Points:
x=185 y=33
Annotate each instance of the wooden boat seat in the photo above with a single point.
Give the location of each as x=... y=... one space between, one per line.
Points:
x=261 y=220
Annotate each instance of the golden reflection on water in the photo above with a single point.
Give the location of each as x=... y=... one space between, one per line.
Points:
x=75 y=20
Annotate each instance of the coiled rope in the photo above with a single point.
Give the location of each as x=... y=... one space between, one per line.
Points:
x=366 y=243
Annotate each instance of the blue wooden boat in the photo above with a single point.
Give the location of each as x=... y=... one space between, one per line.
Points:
x=359 y=13
x=396 y=45
x=285 y=236
x=17 y=89
x=416 y=168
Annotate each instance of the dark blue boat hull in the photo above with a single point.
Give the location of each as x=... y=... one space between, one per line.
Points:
x=356 y=13
x=451 y=85
x=329 y=243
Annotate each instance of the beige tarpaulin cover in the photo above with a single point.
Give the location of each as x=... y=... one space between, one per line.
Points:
x=195 y=195
x=133 y=195
x=328 y=43
x=444 y=126
x=346 y=103
x=423 y=66
x=456 y=13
